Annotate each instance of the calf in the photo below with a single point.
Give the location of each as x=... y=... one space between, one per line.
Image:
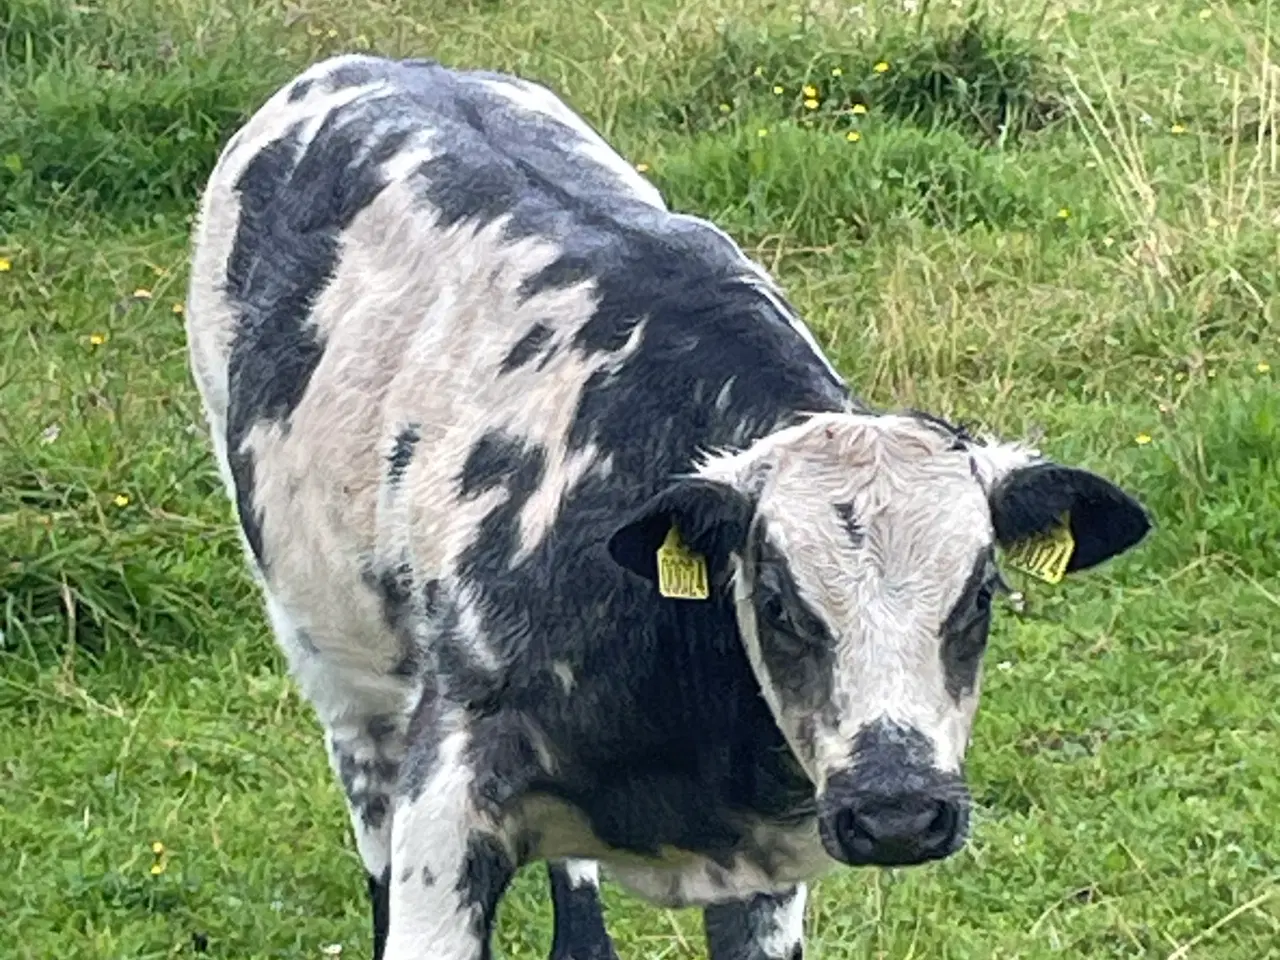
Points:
x=578 y=546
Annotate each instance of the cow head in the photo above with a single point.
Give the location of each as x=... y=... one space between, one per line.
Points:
x=861 y=554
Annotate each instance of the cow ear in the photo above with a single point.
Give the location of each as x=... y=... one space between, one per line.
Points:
x=711 y=519
x=1031 y=500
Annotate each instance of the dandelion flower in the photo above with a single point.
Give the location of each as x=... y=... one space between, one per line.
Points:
x=881 y=67
x=811 y=104
x=157 y=848
x=122 y=500
x=97 y=339
x=1264 y=367
x=157 y=869
x=1064 y=213
x=762 y=132
x=837 y=72
x=779 y=89
x=859 y=109
x=1177 y=128
x=810 y=90
x=853 y=136
x=725 y=108
x=142 y=293
x=642 y=167
x=1142 y=439
x=5 y=265
x=179 y=309
x=758 y=72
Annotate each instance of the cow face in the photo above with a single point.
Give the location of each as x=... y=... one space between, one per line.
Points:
x=860 y=553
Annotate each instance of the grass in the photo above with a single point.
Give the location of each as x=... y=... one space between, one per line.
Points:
x=1054 y=218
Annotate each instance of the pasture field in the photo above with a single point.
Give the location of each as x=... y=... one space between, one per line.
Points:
x=1051 y=218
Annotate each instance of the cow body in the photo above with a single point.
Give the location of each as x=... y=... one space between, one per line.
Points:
x=450 y=346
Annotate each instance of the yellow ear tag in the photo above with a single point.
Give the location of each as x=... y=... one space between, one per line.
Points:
x=1045 y=556
x=682 y=574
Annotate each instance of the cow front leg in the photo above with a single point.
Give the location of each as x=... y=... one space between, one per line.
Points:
x=580 y=933
x=765 y=927
x=366 y=757
x=450 y=862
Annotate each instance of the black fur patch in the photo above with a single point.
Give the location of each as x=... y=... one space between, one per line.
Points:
x=380 y=900
x=526 y=348
x=402 y=453
x=964 y=632
x=580 y=932
x=857 y=535
x=300 y=89
x=485 y=874
x=797 y=645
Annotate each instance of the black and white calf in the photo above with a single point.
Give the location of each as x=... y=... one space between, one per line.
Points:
x=465 y=373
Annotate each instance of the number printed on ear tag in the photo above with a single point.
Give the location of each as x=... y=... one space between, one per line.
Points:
x=682 y=574
x=1045 y=556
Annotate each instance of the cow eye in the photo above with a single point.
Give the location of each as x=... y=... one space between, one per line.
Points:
x=774 y=612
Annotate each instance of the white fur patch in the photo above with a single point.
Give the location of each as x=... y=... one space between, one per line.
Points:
x=582 y=873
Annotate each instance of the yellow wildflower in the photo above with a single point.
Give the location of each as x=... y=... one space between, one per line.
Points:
x=837 y=72
x=121 y=500
x=97 y=339
x=179 y=309
x=157 y=848
x=331 y=33
x=1264 y=367
x=642 y=167
x=853 y=136
x=809 y=90
x=779 y=89
x=859 y=109
x=1064 y=213
x=762 y=132
x=811 y=104
x=758 y=72
x=881 y=67
x=157 y=868
x=1206 y=13
x=1177 y=128
x=1142 y=439
x=725 y=108
x=142 y=293
x=5 y=265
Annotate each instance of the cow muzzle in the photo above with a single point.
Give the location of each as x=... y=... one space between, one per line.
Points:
x=892 y=806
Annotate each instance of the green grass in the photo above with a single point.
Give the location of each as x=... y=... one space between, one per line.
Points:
x=1058 y=220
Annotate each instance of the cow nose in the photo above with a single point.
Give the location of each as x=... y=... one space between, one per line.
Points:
x=892 y=830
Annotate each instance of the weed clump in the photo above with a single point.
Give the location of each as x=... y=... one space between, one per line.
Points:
x=976 y=78
x=106 y=109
